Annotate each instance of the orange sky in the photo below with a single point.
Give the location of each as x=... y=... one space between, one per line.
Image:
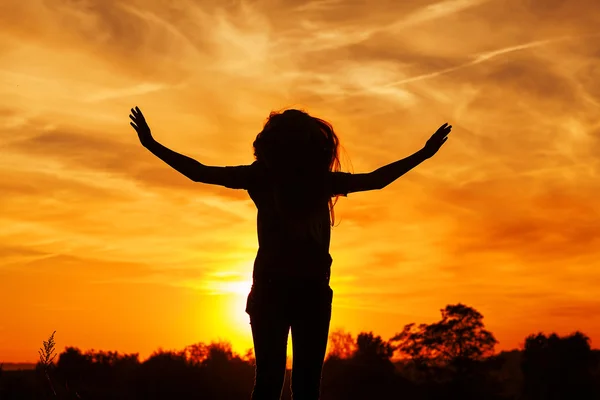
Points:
x=105 y=244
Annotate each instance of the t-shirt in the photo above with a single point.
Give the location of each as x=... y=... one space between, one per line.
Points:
x=281 y=255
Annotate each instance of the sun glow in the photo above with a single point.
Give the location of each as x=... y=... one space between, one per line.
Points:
x=236 y=293
x=233 y=286
x=240 y=288
x=237 y=321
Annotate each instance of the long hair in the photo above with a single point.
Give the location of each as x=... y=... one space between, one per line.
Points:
x=299 y=151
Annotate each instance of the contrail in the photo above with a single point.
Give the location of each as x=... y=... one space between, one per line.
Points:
x=478 y=59
x=483 y=57
x=155 y=19
x=349 y=35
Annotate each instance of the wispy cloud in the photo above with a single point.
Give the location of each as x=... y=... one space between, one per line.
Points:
x=141 y=89
x=435 y=11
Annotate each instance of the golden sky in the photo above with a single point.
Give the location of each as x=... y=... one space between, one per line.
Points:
x=107 y=245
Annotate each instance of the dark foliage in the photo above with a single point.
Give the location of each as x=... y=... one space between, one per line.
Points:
x=449 y=359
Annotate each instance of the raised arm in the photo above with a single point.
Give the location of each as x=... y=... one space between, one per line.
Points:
x=231 y=177
x=387 y=174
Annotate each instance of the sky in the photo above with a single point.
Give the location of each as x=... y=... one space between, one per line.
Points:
x=105 y=244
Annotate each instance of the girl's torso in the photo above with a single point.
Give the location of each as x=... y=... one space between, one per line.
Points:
x=298 y=250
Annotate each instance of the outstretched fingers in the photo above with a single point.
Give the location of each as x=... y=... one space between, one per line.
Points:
x=138 y=113
x=134 y=121
x=137 y=117
x=443 y=131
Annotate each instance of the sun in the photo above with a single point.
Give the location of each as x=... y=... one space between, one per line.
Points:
x=239 y=322
x=236 y=321
x=240 y=288
x=232 y=285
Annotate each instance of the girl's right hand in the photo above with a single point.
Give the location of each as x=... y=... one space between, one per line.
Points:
x=437 y=140
x=140 y=126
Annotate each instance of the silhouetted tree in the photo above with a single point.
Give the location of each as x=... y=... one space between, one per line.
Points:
x=372 y=349
x=97 y=374
x=457 y=339
x=558 y=367
x=249 y=356
x=550 y=367
x=220 y=365
x=215 y=353
x=196 y=353
x=220 y=353
x=448 y=351
x=504 y=369
x=74 y=365
x=165 y=374
x=367 y=373
x=341 y=344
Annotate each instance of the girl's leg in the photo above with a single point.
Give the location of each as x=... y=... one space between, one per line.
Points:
x=270 y=331
x=310 y=331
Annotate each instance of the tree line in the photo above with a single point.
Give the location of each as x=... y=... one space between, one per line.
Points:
x=453 y=358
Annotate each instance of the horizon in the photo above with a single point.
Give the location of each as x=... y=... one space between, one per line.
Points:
x=394 y=358
x=114 y=250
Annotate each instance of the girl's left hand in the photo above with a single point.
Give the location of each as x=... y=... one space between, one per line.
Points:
x=437 y=140
x=140 y=126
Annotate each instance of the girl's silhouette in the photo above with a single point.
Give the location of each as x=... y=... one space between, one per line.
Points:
x=294 y=182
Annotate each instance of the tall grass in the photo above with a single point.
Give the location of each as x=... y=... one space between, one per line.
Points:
x=47 y=356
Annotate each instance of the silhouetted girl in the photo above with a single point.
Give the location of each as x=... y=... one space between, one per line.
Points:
x=294 y=183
